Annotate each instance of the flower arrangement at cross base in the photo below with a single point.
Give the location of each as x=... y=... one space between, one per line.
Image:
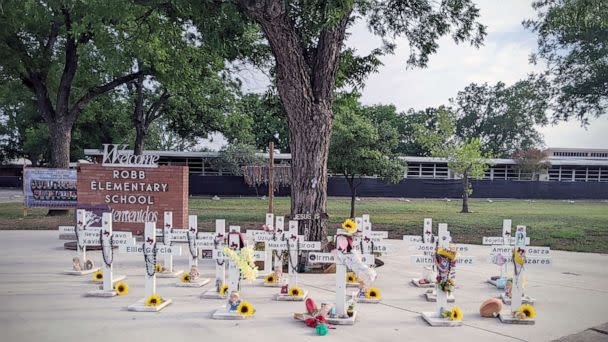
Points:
x=244 y=261
x=453 y=315
x=314 y=317
x=121 y=288
x=270 y=279
x=158 y=268
x=98 y=276
x=351 y=277
x=154 y=300
x=186 y=278
x=245 y=309
x=223 y=289
x=526 y=311
x=349 y=226
x=296 y=292
x=373 y=293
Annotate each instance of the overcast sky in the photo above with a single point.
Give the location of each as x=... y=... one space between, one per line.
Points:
x=504 y=57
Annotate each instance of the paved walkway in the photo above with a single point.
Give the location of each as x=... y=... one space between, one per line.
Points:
x=40 y=304
x=595 y=334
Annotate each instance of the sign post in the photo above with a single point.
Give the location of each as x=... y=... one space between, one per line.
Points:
x=150 y=251
x=219 y=241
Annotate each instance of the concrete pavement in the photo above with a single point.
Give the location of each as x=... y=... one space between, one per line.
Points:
x=40 y=304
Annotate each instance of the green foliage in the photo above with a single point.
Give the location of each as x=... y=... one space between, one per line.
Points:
x=532 y=162
x=258 y=120
x=427 y=131
x=573 y=41
x=503 y=118
x=465 y=159
x=234 y=156
x=362 y=147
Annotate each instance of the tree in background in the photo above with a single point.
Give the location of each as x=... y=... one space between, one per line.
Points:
x=466 y=160
x=234 y=156
x=360 y=147
x=504 y=118
x=437 y=125
x=532 y=161
x=306 y=38
x=65 y=54
x=573 y=42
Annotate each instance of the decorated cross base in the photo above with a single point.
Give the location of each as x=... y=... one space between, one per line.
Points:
x=107 y=239
x=501 y=250
x=218 y=241
x=151 y=302
x=192 y=278
x=240 y=262
x=81 y=265
x=293 y=244
x=518 y=312
x=344 y=312
x=427 y=280
x=368 y=242
x=168 y=233
x=445 y=262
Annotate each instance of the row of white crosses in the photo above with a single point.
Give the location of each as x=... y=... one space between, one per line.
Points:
x=150 y=251
x=293 y=243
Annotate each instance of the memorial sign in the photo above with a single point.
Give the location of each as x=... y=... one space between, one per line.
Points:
x=49 y=188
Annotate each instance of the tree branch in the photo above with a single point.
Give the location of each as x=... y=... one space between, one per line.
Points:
x=99 y=90
x=154 y=110
x=70 y=65
x=326 y=59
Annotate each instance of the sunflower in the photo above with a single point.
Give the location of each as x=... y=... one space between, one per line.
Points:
x=153 y=300
x=351 y=277
x=455 y=314
x=121 y=288
x=296 y=292
x=185 y=278
x=372 y=293
x=526 y=311
x=270 y=279
x=245 y=309
x=158 y=268
x=223 y=290
x=349 y=226
x=98 y=276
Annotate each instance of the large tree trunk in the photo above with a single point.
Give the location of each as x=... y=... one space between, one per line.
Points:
x=140 y=138
x=61 y=139
x=465 y=193
x=305 y=81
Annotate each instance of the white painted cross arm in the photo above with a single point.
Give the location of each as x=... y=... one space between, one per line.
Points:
x=330 y=258
x=302 y=245
x=91 y=238
x=499 y=240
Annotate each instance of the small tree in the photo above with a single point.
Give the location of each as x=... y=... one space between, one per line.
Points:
x=466 y=161
x=531 y=161
x=234 y=157
x=360 y=148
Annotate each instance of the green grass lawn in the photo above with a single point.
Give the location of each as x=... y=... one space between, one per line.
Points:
x=579 y=226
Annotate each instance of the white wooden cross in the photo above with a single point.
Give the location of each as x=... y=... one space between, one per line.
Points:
x=217 y=242
x=169 y=235
x=427 y=238
x=271 y=232
x=234 y=274
x=84 y=221
x=331 y=258
x=502 y=248
x=435 y=318
x=293 y=243
x=106 y=238
x=534 y=256
x=150 y=251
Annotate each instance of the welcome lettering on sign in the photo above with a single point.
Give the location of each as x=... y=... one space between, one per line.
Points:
x=135 y=188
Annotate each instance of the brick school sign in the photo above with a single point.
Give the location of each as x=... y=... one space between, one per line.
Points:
x=136 y=189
